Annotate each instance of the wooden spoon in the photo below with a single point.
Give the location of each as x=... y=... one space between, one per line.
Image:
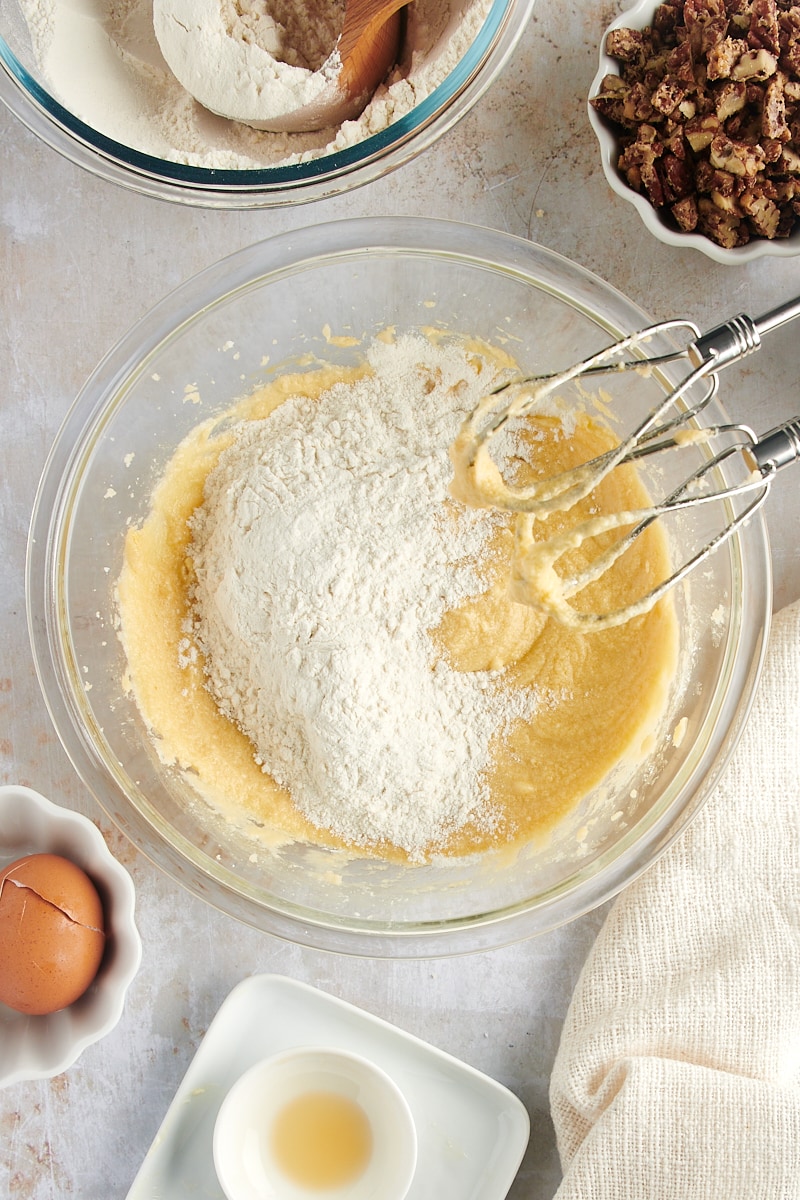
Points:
x=369 y=45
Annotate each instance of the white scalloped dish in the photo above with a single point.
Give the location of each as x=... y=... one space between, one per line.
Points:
x=640 y=16
x=39 y=1047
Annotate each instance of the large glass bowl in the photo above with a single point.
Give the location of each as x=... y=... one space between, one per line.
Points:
x=283 y=298
x=26 y=93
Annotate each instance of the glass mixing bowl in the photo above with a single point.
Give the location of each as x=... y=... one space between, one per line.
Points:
x=26 y=93
x=282 y=298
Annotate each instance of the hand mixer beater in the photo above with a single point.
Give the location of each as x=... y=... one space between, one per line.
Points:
x=479 y=481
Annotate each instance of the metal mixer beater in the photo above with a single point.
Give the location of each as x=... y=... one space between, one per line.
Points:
x=479 y=481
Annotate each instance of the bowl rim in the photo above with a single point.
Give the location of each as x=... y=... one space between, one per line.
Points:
x=362 y=237
x=292 y=183
x=756 y=248
x=128 y=943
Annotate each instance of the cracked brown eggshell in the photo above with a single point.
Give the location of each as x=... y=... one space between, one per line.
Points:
x=51 y=933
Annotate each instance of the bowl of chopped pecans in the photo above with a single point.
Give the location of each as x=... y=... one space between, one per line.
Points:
x=696 y=106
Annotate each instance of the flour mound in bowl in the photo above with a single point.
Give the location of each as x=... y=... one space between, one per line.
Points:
x=103 y=63
x=325 y=554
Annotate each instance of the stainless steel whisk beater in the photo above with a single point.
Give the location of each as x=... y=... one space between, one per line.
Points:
x=665 y=427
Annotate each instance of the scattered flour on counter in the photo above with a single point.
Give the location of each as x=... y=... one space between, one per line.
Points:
x=102 y=61
x=325 y=552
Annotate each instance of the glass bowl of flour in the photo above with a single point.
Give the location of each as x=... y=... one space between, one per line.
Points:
x=276 y=652
x=90 y=79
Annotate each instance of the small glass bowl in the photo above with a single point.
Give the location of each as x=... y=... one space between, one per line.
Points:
x=42 y=1046
x=231 y=329
x=26 y=94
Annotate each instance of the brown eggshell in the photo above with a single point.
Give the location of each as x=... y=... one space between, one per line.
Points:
x=51 y=933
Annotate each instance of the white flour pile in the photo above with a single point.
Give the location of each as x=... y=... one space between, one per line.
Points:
x=325 y=552
x=254 y=60
x=102 y=61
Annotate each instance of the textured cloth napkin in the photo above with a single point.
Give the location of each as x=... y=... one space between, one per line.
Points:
x=678 y=1073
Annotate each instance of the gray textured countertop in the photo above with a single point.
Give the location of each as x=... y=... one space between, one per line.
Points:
x=81 y=261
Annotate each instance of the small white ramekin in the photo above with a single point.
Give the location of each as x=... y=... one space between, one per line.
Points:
x=243 y=1156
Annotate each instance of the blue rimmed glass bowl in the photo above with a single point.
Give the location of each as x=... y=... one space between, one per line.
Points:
x=24 y=91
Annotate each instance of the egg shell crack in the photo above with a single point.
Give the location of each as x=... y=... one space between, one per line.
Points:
x=19 y=883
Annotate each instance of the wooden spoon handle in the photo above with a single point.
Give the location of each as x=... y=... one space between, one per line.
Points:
x=363 y=19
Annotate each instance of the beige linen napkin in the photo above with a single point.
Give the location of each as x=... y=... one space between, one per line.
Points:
x=678 y=1073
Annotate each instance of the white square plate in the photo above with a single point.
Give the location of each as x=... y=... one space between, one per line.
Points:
x=472 y=1131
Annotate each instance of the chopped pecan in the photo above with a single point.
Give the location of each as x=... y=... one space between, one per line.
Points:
x=763 y=213
x=704 y=176
x=612 y=101
x=764 y=33
x=755 y=64
x=724 y=56
x=739 y=14
x=638 y=104
x=790 y=59
x=738 y=158
x=626 y=45
x=702 y=12
x=676 y=177
x=773 y=113
x=786 y=192
x=789 y=24
x=665 y=19
x=706 y=22
x=668 y=95
x=730 y=99
x=675 y=144
x=685 y=213
x=702 y=131
x=789 y=161
x=721 y=183
x=725 y=229
x=726 y=204
x=680 y=63
x=772 y=150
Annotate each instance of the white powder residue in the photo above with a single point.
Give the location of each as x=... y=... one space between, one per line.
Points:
x=326 y=552
x=254 y=60
x=300 y=35
x=101 y=60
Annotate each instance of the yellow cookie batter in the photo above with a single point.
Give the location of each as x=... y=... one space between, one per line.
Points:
x=603 y=691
